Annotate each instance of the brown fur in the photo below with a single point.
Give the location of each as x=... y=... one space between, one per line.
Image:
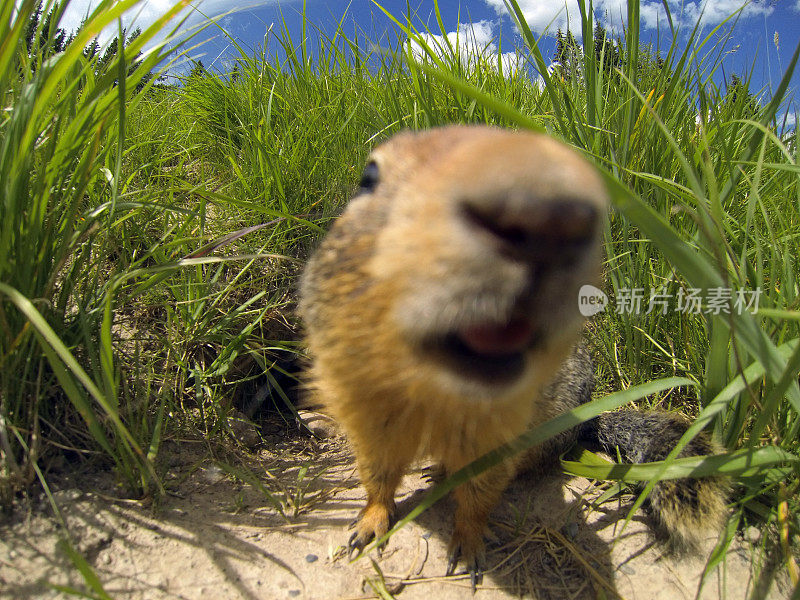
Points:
x=433 y=250
x=684 y=510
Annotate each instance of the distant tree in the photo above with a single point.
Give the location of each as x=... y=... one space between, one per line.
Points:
x=568 y=63
x=198 y=70
x=30 y=29
x=42 y=38
x=90 y=51
x=652 y=72
x=559 y=45
x=606 y=51
x=738 y=99
x=54 y=37
x=109 y=55
x=573 y=50
x=609 y=55
x=137 y=59
x=569 y=55
x=107 y=60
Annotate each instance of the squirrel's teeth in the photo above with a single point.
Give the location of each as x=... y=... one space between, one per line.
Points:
x=497 y=340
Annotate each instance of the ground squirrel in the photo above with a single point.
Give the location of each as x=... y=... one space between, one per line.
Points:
x=441 y=314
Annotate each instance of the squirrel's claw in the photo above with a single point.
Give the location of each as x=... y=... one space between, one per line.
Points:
x=373 y=522
x=475 y=565
x=475 y=576
x=433 y=474
x=356 y=544
x=452 y=562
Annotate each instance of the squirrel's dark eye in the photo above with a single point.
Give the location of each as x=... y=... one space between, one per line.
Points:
x=370 y=177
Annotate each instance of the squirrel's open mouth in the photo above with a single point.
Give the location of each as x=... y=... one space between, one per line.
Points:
x=487 y=351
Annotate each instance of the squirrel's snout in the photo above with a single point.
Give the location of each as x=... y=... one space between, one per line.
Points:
x=535 y=230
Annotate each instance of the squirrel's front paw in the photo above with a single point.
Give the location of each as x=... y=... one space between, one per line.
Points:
x=468 y=544
x=372 y=523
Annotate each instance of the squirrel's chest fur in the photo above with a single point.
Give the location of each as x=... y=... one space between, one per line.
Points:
x=404 y=412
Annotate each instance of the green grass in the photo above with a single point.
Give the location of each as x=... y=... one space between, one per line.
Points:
x=120 y=325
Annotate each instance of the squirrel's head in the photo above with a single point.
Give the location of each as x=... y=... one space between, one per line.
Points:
x=482 y=239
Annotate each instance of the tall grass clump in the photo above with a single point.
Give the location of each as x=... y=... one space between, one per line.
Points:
x=62 y=140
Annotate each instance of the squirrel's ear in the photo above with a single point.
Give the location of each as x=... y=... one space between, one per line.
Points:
x=369 y=178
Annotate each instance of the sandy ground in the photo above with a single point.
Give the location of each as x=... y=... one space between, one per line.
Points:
x=216 y=535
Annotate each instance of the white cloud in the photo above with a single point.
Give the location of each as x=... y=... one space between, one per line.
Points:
x=473 y=41
x=145 y=13
x=141 y=16
x=652 y=15
x=544 y=15
x=550 y=15
x=791 y=119
x=713 y=12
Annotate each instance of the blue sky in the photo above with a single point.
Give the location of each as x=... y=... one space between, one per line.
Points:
x=752 y=47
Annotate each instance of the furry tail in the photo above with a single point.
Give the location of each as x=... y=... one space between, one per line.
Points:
x=685 y=510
